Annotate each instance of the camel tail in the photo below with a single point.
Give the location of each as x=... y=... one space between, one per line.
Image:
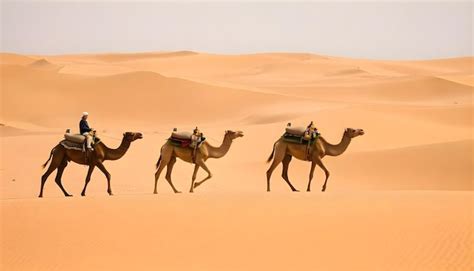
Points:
x=50 y=155
x=271 y=155
x=158 y=163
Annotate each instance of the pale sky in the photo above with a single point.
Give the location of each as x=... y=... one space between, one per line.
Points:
x=375 y=30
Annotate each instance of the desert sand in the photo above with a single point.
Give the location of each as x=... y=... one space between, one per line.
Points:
x=400 y=198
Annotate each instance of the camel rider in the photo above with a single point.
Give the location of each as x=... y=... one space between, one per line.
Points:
x=85 y=130
x=196 y=138
x=311 y=132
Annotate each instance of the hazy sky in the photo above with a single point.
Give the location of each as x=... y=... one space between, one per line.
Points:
x=389 y=30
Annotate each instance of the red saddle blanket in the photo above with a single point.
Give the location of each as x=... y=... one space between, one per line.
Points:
x=180 y=142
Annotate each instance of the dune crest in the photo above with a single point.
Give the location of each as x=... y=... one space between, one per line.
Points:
x=45 y=65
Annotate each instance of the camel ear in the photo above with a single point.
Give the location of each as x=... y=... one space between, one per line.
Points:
x=124 y=134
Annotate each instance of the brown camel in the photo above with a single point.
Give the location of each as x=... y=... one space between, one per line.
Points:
x=61 y=156
x=170 y=152
x=283 y=152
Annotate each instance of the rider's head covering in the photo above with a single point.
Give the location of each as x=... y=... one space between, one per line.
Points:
x=85 y=114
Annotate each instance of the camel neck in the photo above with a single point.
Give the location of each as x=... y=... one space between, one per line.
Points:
x=115 y=154
x=335 y=150
x=218 y=152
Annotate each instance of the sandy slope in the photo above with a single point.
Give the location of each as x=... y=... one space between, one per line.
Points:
x=400 y=198
x=333 y=231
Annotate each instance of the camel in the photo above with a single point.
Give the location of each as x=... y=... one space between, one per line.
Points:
x=61 y=156
x=283 y=152
x=169 y=153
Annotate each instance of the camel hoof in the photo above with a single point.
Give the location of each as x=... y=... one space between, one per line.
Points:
x=296 y=190
x=83 y=194
x=308 y=190
x=196 y=185
x=111 y=194
x=177 y=192
x=68 y=195
x=324 y=189
x=155 y=192
x=191 y=191
x=40 y=196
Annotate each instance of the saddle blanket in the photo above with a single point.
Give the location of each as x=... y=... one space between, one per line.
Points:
x=70 y=145
x=73 y=145
x=184 y=143
x=298 y=139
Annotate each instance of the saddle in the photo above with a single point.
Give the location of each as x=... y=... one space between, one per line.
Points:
x=298 y=131
x=77 y=141
x=296 y=135
x=76 y=138
x=184 y=135
x=183 y=140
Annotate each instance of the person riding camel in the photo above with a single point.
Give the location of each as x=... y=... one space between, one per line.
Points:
x=85 y=130
x=196 y=138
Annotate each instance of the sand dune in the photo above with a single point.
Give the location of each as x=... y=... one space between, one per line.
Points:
x=400 y=198
x=442 y=166
x=136 y=56
x=401 y=90
x=371 y=231
x=43 y=64
x=355 y=71
x=161 y=97
x=15 y=59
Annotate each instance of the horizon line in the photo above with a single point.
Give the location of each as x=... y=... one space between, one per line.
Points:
x=227 y=54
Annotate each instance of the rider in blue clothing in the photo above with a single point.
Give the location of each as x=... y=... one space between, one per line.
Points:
x=85 y=130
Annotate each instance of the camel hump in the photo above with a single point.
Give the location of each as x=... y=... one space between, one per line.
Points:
x=295 y=130
x=181 y=135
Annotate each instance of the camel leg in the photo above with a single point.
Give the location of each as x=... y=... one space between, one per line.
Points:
x=45 y=176
x=55 y=163
x=276 y=161
x=164 y=162
x=311 y=174
x=201 y=163
x=169 y=170
x=88 y=178
x=196 y=167
x=286 y=162
x=59 y=175
x=107 y=175
x=326 y=171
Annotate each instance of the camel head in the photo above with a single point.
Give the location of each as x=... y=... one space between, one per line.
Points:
x=131 y=136
x=233 y=135
x=350 y=132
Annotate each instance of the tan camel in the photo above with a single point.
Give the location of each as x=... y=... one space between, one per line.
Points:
x=61 y=156
x=283 y=151
x=170 y=152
